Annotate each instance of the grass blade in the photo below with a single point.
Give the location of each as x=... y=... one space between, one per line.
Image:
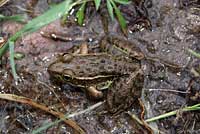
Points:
x=194 y=53
x=124 y=2
x=110 y=9
x=186 y=109
x=44 y=127
x=97 y=3
x=120 y=18
x=54 y=13
x=18 y=18
x=12 y=62
x=80 y=14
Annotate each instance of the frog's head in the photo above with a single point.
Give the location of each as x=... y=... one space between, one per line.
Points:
x=61 y=69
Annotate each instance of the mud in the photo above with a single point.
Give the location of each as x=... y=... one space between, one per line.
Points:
x=163 y=29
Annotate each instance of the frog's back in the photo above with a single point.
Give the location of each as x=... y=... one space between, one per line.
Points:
x=91 y=65
x=118 y=46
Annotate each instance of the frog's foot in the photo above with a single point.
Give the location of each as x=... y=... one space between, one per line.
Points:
x=94 y=93
x=120 y=96
x=116 y=111
x=121 y=107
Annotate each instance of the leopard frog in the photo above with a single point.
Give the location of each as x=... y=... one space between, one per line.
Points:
x=87 y=70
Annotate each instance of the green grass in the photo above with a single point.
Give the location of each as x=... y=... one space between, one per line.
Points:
x=120 y=17
x=17 y=18
x=172 y=113
x=194 y=53
x=46 y=126
x=80 y=14
x=111 y=7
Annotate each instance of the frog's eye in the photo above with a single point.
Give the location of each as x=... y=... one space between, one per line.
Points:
x=68 y=74
x=67 y=78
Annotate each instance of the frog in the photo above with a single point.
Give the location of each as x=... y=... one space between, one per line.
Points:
x=119 y=62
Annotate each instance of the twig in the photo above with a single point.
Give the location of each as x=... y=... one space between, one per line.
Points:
x=166 y=90
x=134 y=117
x=24 y=100
x=3 y=2
x=68 y=116
x=150 y=131
x=86 y=110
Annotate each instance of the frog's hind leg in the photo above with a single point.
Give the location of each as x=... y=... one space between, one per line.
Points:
x=123 y=92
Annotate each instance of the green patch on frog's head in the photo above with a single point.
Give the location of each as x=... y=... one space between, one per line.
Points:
x=57 y=79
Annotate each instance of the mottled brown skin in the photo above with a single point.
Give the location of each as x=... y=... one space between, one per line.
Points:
x=91 y=69
x=120 y=47
x=124 y=91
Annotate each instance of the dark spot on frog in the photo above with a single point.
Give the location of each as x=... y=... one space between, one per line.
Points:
x=131 y=69
x=81 y=73
x=101 y=67
x=88 y=69
x=78 y=67
x=102 y=61
x=110 y=67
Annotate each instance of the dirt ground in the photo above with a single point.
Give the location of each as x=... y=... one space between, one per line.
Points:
x=163 y=29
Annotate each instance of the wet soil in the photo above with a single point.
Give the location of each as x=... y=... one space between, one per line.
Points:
x=162 y=29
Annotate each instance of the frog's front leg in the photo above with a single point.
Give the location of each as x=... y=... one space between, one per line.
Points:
x=93 y=92
x=124 y=91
